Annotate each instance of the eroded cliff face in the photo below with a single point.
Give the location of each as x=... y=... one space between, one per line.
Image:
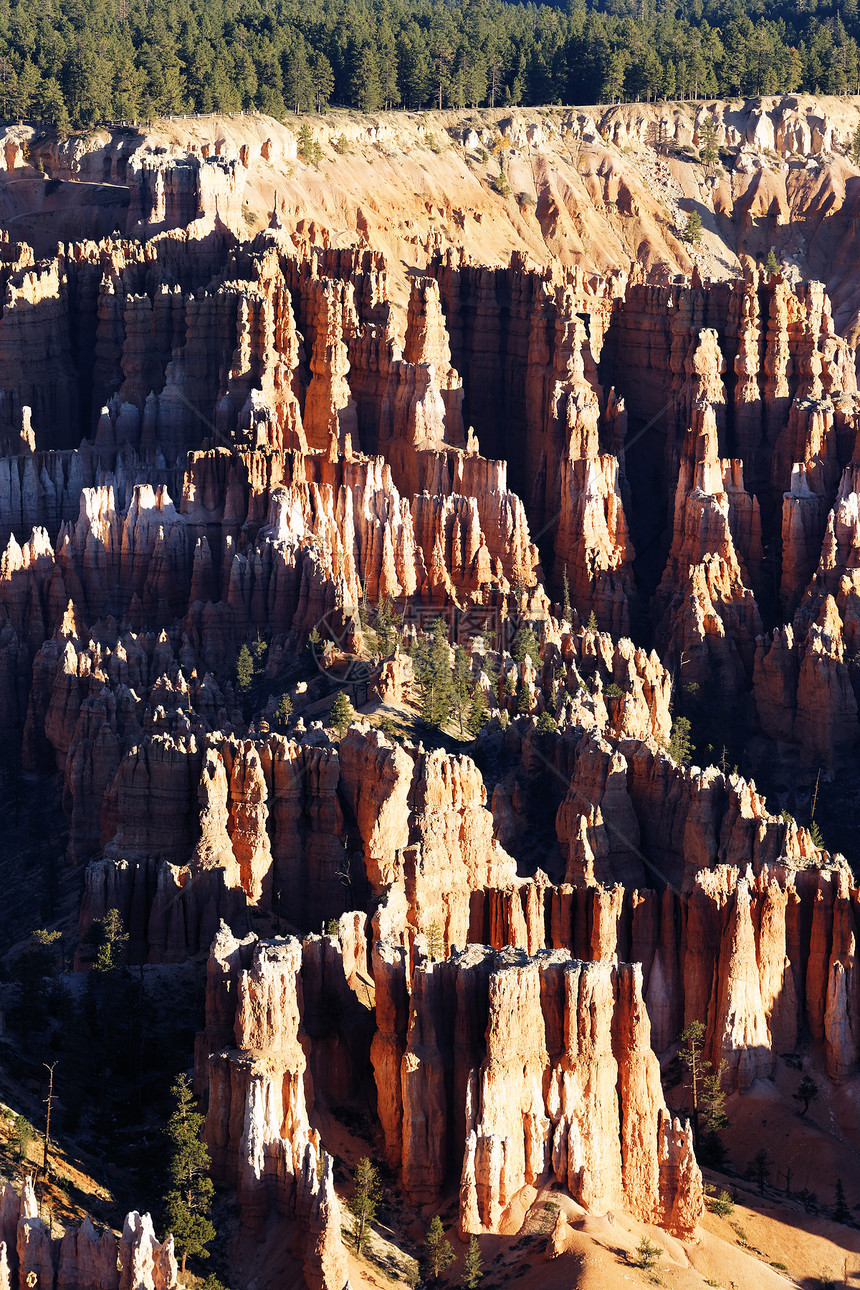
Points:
x=617 y=489
x=348 y=476
x=252 y=1066
x=449 y=1070
x=81 y=1258
x=612 y=184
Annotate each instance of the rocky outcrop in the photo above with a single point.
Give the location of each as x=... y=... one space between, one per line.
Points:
x=281 y=446
x=803 y=682
x=450 y=1069
x=755 y=958
x=546 y=1064
x=260 y=1097
x=706 y=610
x=81 y=1258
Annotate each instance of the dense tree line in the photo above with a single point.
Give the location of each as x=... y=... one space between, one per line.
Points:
x=76 y=63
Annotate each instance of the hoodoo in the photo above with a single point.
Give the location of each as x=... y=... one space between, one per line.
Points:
x=429 y=684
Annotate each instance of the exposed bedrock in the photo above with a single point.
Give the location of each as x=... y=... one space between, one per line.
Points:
x=283 y=364
x=452 y=1095
x=730 y=942
x=210 y=442
x=259 y=1092
x=81 y=1258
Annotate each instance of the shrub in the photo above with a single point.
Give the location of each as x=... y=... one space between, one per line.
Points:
x=648 y=1255
x=722 y=1204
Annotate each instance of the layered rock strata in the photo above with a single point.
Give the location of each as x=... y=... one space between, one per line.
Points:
x=552 y=1072
x=253 y=1069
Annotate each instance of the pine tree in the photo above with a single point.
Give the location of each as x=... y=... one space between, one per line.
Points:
x=566 y=609
x=472 y=1264
x=386 y=628
x=309 y=150
x=478 y=715
x=708 y=152
x=283 y=711
x=435 y=942
x=841 y=1211
x=189 y=1200
x=322 y=79
x=648 y=1255
x=386 y=62
x=854 y=148
x=461 y=682
x=112 y=940
x=365 y=1198
x=694 y=229
x=244 y=670
x=546 y=724
x=431 y=665
x=771 y=264
x=806 y=1092
x=299 y=89
x=365 y=85
x=760 y=1169
x=680 y=744
x=413 y=62
x=342 y=714
x=692 y=1044
x=525 y=699
x=510 y=685
x=714 y=1099
x=52 y=107
x=31 y=968
x=437 y=1251
x=526 y=644
x=22 y=1135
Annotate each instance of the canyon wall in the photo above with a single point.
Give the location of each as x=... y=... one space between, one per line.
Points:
x=626 y=495
x=476 y=1022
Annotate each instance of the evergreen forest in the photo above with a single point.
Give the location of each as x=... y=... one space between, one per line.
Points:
x=76 y=64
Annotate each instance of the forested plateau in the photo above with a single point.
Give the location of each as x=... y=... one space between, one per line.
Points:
x=73 y=65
